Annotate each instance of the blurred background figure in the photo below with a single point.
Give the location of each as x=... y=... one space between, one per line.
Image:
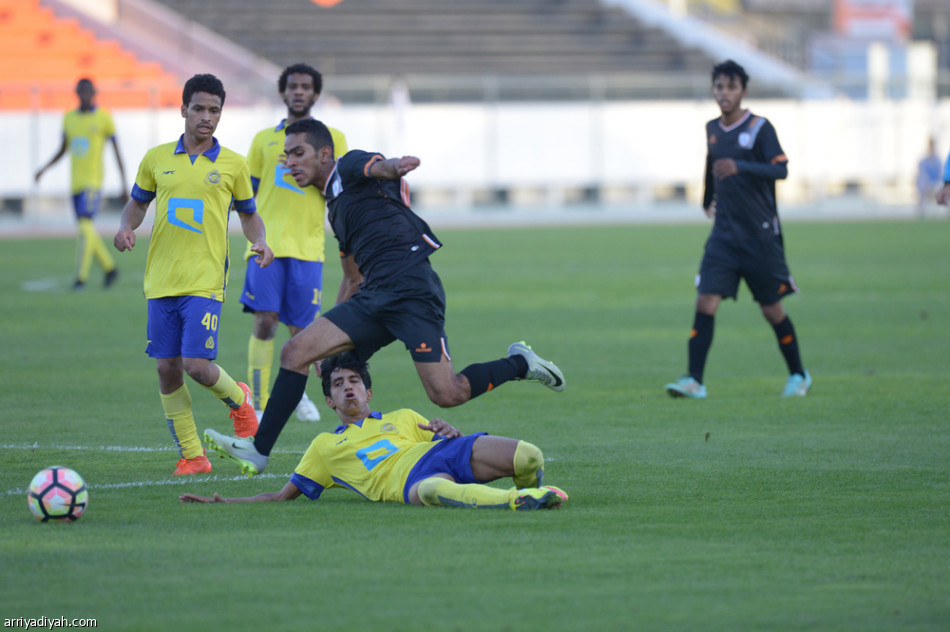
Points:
x=929 y=171
x=85 y=132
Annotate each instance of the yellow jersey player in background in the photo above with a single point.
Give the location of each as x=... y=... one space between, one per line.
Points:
x=193 y=181
x=290 y=290
x=85 y=132
x=403 y=457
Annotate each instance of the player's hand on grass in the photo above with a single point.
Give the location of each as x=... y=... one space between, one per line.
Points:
x=194 y=498
x=442 y=427
x=264 y=254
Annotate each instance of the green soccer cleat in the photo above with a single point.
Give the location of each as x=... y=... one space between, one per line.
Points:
x=686 y=386
x=539 y=369
x=548 y=497
x=797 y=385
x=241 y=451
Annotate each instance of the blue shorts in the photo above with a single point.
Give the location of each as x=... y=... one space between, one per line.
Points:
x=183 y=326
x=290 y=287
x=86 y=203
x=450 y=456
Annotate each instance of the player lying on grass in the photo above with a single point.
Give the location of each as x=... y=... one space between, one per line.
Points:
x=402 y=457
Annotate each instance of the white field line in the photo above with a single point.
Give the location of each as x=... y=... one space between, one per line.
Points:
x=142 y=483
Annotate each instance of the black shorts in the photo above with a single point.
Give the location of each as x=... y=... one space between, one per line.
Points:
x=410 y=308
x=761 y=263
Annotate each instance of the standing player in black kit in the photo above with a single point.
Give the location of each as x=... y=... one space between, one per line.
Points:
x=389 y=292
x=743 y=161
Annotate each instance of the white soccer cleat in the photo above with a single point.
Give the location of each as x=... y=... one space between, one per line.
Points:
x=307 y=410
x=241 y=451
x=539 y=369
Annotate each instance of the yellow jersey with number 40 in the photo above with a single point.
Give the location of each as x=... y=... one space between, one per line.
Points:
x=188 y=250
x=294 y=217
x=373 y=457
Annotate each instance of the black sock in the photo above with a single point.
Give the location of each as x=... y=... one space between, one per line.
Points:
x=700 y=340
x=284 y=397
x=487 y=375
x=788 y=345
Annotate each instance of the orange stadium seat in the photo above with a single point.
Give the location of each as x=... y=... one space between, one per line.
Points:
x=45 y=55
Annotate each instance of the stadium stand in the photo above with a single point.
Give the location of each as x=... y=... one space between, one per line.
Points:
x=453 y=43
x=43 y=56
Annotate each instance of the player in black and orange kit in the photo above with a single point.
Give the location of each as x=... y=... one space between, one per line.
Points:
x=389 y=291
x=743 y=161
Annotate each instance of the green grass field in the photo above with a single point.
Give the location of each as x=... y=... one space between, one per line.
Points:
x=742 y=512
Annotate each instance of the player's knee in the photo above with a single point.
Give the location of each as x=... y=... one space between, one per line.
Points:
x=293 y=355
x=528 y=464
x=447 y=394
x=197 y=369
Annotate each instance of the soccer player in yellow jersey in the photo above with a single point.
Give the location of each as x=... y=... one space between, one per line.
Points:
x=403 y=457
x=289 y=290
x=85 y=132
x=193 y=181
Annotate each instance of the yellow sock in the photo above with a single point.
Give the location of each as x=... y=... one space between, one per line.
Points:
x=181 y=422
x=98 y=247
x=84 y=249
x=528 y=465
x=227 y=390
x=260 y=357
x=441 y=491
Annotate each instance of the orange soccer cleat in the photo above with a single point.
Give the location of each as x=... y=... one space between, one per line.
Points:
x=245 y=417
x=197 y=465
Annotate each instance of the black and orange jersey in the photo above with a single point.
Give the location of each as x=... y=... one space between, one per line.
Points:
x=372 y=220
x=745 y=202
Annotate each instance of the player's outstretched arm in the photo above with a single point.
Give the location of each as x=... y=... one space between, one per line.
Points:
x=132 y=216
x=393 y=168
x=253 y=227
x=289 y=492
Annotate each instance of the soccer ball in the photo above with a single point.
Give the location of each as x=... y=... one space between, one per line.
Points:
x=58 y=493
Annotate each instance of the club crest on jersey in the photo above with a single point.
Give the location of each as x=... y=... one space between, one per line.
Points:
x=213 y=178
x=209 y=343
x=745 y=140
x=387 y=427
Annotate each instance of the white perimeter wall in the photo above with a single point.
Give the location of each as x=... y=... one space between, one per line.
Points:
x=634 y=146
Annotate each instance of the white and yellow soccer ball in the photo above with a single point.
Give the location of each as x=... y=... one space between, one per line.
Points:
x=58 y=493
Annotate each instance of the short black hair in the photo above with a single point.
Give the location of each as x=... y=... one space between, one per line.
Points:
x=730 y=68
x=85 y=81
x=317 y=133
x=346 y=360
x=202 y=83
x=302 y=69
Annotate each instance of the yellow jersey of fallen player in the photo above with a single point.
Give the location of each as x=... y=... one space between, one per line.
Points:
x=372 y=457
